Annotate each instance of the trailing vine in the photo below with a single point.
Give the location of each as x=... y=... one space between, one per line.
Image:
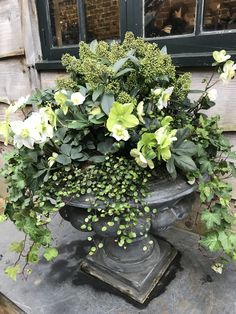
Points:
x=123 y=116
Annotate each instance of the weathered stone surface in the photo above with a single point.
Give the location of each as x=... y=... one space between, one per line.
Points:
x=58 y=288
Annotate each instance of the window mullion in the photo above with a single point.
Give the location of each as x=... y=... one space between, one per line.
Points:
x=82 y=19
x=199 y=17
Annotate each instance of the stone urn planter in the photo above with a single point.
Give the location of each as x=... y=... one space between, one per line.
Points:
x=137 y=269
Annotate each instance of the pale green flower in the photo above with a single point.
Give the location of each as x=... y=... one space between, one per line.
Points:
x=140 y=159
x=228 y=71
x=52 y=159
x=165 y=138
x=77 y=98
x=165 y=97
x=120 y=133
x=51 y=116
x=121 y=114
x=140 y=112
x=95 y=111
x=61 y=99
x=220 y=56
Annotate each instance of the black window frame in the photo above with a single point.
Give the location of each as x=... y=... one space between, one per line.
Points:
x=182 y=47
x=50 y=52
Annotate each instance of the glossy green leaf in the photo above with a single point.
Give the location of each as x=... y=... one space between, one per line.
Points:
x=63 y=159
x=185 y=163
x=106 y=103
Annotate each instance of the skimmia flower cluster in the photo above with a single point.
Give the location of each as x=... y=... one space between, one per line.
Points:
x=123 y=115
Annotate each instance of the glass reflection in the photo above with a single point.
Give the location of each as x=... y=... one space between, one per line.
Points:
x=64 y=22
x=169 y=18
x=219 y=15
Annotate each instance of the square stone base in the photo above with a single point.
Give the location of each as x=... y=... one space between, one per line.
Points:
x=137 y=285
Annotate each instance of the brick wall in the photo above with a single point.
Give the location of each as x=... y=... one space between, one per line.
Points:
x=102 y=20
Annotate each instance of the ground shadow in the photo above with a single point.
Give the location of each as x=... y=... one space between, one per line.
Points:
x=67 y=269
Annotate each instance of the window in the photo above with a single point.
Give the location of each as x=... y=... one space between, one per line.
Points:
x=191 y=29
x=168 y=18
x=64 y=23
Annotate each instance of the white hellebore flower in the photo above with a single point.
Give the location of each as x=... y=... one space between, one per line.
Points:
x=220 y=56
x=140 y=112
x=18 y=104
x=228 y=71
x=212 y=94
x=165 y=97
x=120 y=133
x=40 y=121
x=77 y=98
x=25 y=134
x=35 y=129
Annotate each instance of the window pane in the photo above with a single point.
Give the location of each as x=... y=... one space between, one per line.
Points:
x=169 y=17
x=64 y=22
x=102 y=19
x=219 y=15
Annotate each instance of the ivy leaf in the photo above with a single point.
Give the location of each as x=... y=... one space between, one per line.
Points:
x=185 y=163
x=211 y=242
x=33 y=255
x=17 y=246
x=63 y=159
x=233 y=169
x=12 y=271
x=232 y=239
x=3 y=218
x=225 y=241
x=50 y=254
x=106 y=103
x=211 y=219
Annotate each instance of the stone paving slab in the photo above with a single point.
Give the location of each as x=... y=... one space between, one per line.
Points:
x=58 y=288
